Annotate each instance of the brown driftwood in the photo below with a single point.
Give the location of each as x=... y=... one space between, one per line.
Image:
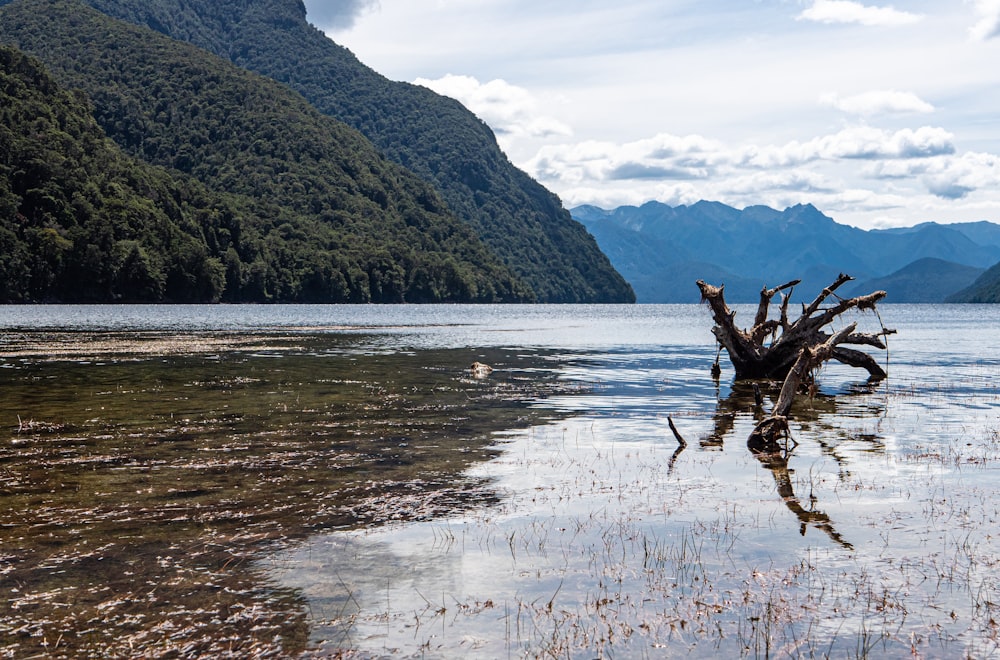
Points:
x=677 y=434
x=792 y=350
x=754 y=357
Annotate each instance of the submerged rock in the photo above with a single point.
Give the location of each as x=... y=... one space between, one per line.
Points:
x=480 y=370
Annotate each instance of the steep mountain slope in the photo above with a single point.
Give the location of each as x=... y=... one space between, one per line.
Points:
x=657 y=264
x=328 y=218
x=758 y=246
x=434 y=136
x=926 y=280
x=986 y=289
x=77 y=220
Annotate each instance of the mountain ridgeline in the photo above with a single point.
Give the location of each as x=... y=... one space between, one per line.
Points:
x=296 y=206
x=221 y=184
x=662 y=250
x=431 y=135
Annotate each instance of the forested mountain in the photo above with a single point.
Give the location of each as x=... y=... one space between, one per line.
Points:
x=980 y=233
x=926 y=280
x=269 y=200
x=662 y=250
x=986 y=289
x=81 y=221
x=434 y=136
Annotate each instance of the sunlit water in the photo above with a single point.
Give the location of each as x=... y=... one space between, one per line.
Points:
x=545 y=511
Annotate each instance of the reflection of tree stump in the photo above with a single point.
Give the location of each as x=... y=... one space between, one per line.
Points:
x=778 y=466
x=742 y=398
x=764 y=438
x=792 y=350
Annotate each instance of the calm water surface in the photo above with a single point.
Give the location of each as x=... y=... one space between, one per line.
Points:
x=317 y=479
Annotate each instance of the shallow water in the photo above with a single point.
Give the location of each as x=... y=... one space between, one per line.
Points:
x=320 y=479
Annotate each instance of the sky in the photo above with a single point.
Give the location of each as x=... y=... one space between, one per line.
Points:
x=880 y=115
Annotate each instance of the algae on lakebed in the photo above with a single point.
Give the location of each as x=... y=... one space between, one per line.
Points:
x=140 y=472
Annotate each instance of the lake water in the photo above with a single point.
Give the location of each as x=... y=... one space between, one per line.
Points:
x=318 y=479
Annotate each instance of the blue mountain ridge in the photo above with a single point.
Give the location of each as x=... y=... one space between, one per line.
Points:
x=662 y=250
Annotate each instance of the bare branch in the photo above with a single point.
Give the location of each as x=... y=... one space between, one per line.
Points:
x=861 y=302
x=841 y=279
x=860 y=360
x=715 y=297
x=765 y=300
x=809 y=359
x=762 y=330
x=677 y=434
x=870 y=339
x=784 y=310
x=753 y=358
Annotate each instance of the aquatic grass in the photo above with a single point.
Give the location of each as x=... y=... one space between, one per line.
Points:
x=139 y=488
x=639 y=563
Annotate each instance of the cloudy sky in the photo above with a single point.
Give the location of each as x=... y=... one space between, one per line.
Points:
x=878 y=114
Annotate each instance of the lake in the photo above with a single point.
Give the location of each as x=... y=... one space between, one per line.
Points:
x=332 y=480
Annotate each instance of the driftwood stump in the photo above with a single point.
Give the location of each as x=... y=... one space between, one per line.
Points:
x=792 y=350
x=770 y=347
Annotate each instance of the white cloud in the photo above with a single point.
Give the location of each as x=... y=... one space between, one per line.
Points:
x=678 y=158
x=988 y=25
x=660 y=158
x=508 y=109
x=954 y=178
x=847 y=11
x=879 y=102
x=608 y=196
x=724 y=96
x=665 y=145
x=800 y=180
x=901 y=168
x=895 y=169
x=948 y=177
x=856 y=142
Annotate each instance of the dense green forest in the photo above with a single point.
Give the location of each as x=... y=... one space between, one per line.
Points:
x=234 y=187
x=81 y=221
x=434 y=136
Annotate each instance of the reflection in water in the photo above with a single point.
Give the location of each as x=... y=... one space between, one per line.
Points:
x=137 y=483
x=605 y=536
x=748 y=398
x=777 y=463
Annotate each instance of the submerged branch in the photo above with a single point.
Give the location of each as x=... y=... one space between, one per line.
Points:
x=677 y=434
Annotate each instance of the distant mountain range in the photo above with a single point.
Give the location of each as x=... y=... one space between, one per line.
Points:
x=662 y=250
x=207 y=150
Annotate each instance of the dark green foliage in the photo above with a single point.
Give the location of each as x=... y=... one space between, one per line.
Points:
x=433 y=136
x=986 y=289
x=269 y=200
x=76 y=223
